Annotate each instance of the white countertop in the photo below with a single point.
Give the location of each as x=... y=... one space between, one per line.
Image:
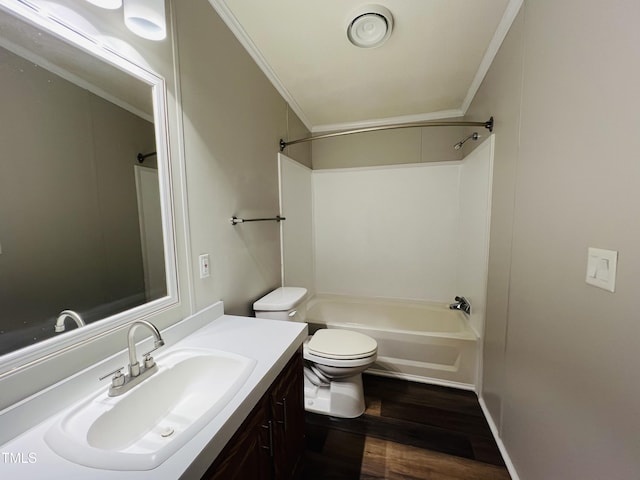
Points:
x=271 y=343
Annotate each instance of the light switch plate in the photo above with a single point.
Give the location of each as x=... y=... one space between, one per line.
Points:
x=601 y=268
x=203 y=261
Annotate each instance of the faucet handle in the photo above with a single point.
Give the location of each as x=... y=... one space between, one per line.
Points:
x=118 y=377
x=148 y=360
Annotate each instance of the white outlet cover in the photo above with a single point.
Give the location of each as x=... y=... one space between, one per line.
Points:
x=601 y=268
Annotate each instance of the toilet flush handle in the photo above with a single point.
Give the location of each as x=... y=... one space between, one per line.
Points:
x=292 y=313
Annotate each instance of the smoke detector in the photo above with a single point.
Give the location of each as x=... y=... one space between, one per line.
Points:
x=370 y=26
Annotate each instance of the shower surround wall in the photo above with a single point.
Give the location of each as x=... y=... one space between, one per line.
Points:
x=387 y=231
x=296 y=198
x=415 y=231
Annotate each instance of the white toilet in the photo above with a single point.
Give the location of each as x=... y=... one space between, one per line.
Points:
x=334 y=359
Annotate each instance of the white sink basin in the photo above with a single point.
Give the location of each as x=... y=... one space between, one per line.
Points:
x=143 y=427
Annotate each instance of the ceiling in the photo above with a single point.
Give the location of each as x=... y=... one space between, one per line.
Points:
x=430 y=67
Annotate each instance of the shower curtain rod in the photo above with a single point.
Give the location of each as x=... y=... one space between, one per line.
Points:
x=488 y=125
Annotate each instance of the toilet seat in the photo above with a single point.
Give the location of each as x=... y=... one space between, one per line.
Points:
x=338 y=363
x=341 y=345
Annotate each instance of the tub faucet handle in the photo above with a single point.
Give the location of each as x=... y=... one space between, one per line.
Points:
x=461 y=304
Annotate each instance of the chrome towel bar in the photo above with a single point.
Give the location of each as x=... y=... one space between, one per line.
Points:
x=235 y=220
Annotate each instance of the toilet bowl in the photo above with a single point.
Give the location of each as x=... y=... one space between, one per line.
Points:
x=334 y=359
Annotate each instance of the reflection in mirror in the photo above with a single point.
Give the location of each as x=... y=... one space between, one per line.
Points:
x=80 y=219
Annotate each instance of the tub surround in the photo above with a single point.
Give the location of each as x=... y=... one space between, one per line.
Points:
x=271 y=343
x=415 y=231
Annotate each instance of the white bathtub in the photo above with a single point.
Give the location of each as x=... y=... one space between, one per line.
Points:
x=420 y=341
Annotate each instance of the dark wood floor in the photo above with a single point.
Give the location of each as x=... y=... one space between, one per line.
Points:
x=409 y=431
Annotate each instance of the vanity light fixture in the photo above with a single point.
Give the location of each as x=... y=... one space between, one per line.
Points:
x=109 y=4
x=146 y=18
x=370 y=26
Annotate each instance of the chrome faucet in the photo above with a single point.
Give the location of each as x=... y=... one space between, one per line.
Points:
x=134 y=365
x=59 y=327
x=461 y=304
x=123 y=383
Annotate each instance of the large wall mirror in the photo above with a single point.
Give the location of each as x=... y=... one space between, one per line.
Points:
x=84 y=225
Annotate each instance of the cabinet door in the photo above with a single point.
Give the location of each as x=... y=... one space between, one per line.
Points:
x=249 y=453
x=287 y=413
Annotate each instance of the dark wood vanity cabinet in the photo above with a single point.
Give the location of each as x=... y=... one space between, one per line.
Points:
x=287 y=411
x=246 y=455
x=269 y=445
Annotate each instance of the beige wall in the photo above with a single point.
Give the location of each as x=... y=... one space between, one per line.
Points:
x=500 y=96
x=233 y=119
x=561 y=356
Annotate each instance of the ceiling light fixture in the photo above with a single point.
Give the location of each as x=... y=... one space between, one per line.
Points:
x=146 y=18
x=110 y=4
x=370 y=27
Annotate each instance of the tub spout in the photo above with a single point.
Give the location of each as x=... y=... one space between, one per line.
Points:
x=461 y=304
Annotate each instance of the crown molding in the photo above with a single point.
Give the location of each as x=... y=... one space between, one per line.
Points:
x=501 y=32
x=492 y=50
x=234 y=25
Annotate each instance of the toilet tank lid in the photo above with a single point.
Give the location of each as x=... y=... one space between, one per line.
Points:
x=281 y=299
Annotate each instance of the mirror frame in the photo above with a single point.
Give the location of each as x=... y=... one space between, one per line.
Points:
x=23 y=358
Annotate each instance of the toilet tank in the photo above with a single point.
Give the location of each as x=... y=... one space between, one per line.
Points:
x=284 y=303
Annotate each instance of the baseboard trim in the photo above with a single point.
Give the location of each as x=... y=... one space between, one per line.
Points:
x=496 y=436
